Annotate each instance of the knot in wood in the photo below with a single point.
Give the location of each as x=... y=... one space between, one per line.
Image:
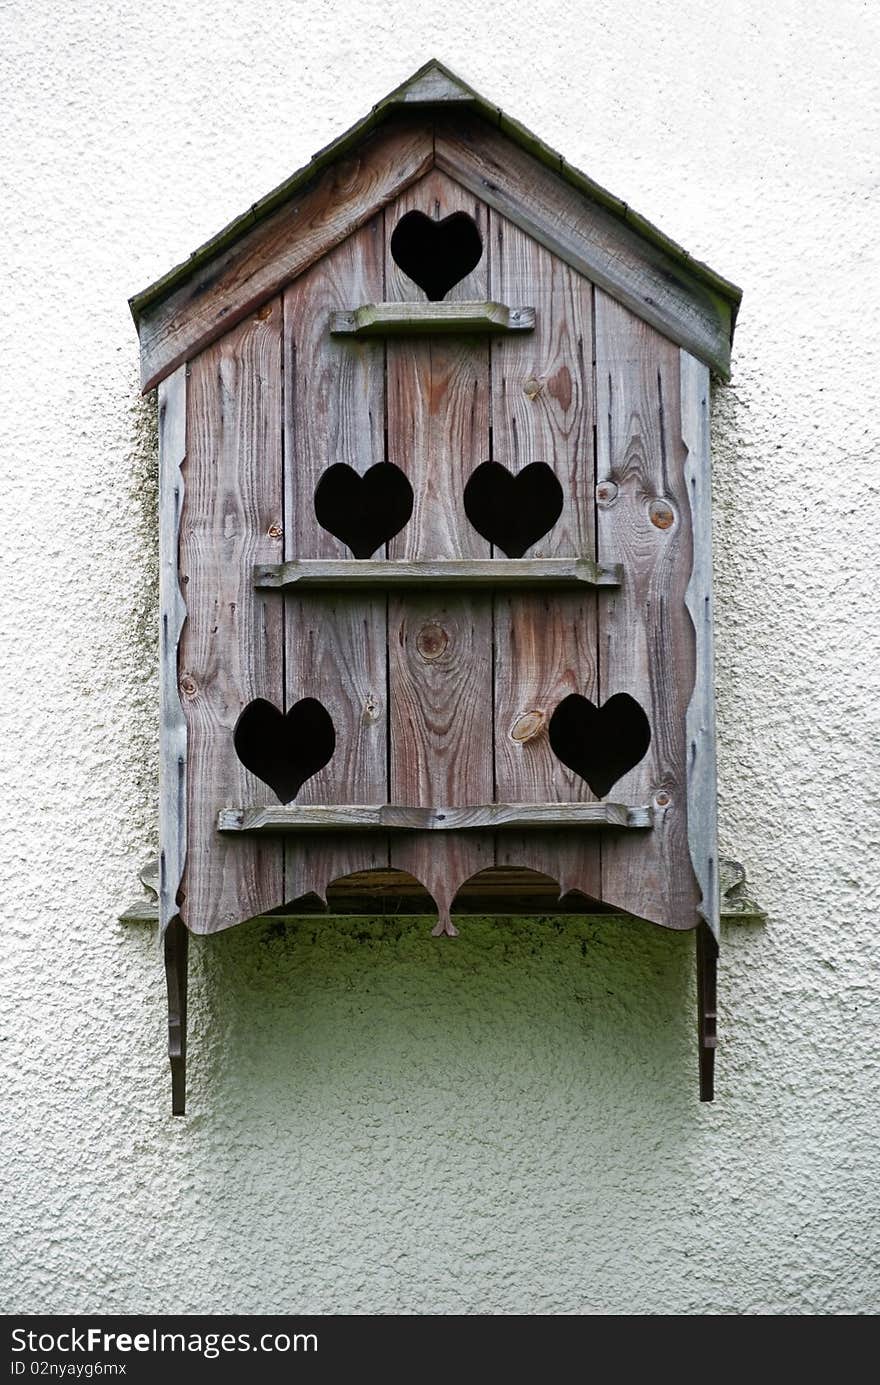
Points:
x=432 y=642
x=274 y=531
x=606 y=492
x=345 y=172
x=561 y=388
x=532 y=388
x=662 y=799
x=528 y=726
x=661 y=514
x=188 y=686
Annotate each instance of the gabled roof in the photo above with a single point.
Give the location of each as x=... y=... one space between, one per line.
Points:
x=394 y=145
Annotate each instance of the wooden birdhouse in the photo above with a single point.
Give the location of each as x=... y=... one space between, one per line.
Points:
x=435 y=538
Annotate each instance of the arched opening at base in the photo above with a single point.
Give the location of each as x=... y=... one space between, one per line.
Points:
x=496 y=890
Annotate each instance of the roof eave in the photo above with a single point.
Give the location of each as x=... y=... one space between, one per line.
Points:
x=433 y=86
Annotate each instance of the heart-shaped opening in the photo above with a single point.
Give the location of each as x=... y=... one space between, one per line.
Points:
x=363 y=511
x=601 y=744
x=436 y=255
x=284 y=749
x=513 y=512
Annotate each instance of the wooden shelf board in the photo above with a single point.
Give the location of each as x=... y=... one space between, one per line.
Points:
x=387 y=817
x=328 y=573
x=409 y=319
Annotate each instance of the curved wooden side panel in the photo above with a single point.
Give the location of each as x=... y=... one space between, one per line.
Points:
x=646 y=639
x=172 y=614
x=701 y=761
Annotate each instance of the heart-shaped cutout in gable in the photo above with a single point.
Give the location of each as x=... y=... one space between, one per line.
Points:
x=363 y=511
x=600 y=743
x=436 y=255
x=513 y=512
x=284 y=750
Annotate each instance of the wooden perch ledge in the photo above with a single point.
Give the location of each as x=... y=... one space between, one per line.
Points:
x=328 y=573
x=409 y=319
x=388 y=817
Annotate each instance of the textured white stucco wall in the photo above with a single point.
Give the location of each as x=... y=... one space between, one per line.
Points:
x=381 y=1124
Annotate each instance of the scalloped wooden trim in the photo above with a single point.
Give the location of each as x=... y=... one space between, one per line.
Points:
x=736 y=903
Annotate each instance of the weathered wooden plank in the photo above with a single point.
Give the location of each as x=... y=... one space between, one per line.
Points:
x=545 y=648
x=439 y=651
x=335 y=653
x=328 y=574
x=701 y=758
x=334 y=392
x=260 y=262
x=335 y=645
x=543 y=411
x=653 y=283
x=391 y=817
x=402 y=319
x=438 y=415
x=542 y=387
x=441 y=733
x=231 y=645
x=172 y=614
x=646 y=645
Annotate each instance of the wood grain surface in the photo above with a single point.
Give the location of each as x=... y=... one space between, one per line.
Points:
x=438 y=432
x=439 y=670
x=438 y=394
x=335 y=645
x=231 y=647
x=542 y=386
x=702 y=790
x=587 y=236
x=440 y=688
x=411 y=319
x=391 y=817
x=238 y=280
x=172 y=615
x=545 y=646
x=646 y=644
x=524 y=574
